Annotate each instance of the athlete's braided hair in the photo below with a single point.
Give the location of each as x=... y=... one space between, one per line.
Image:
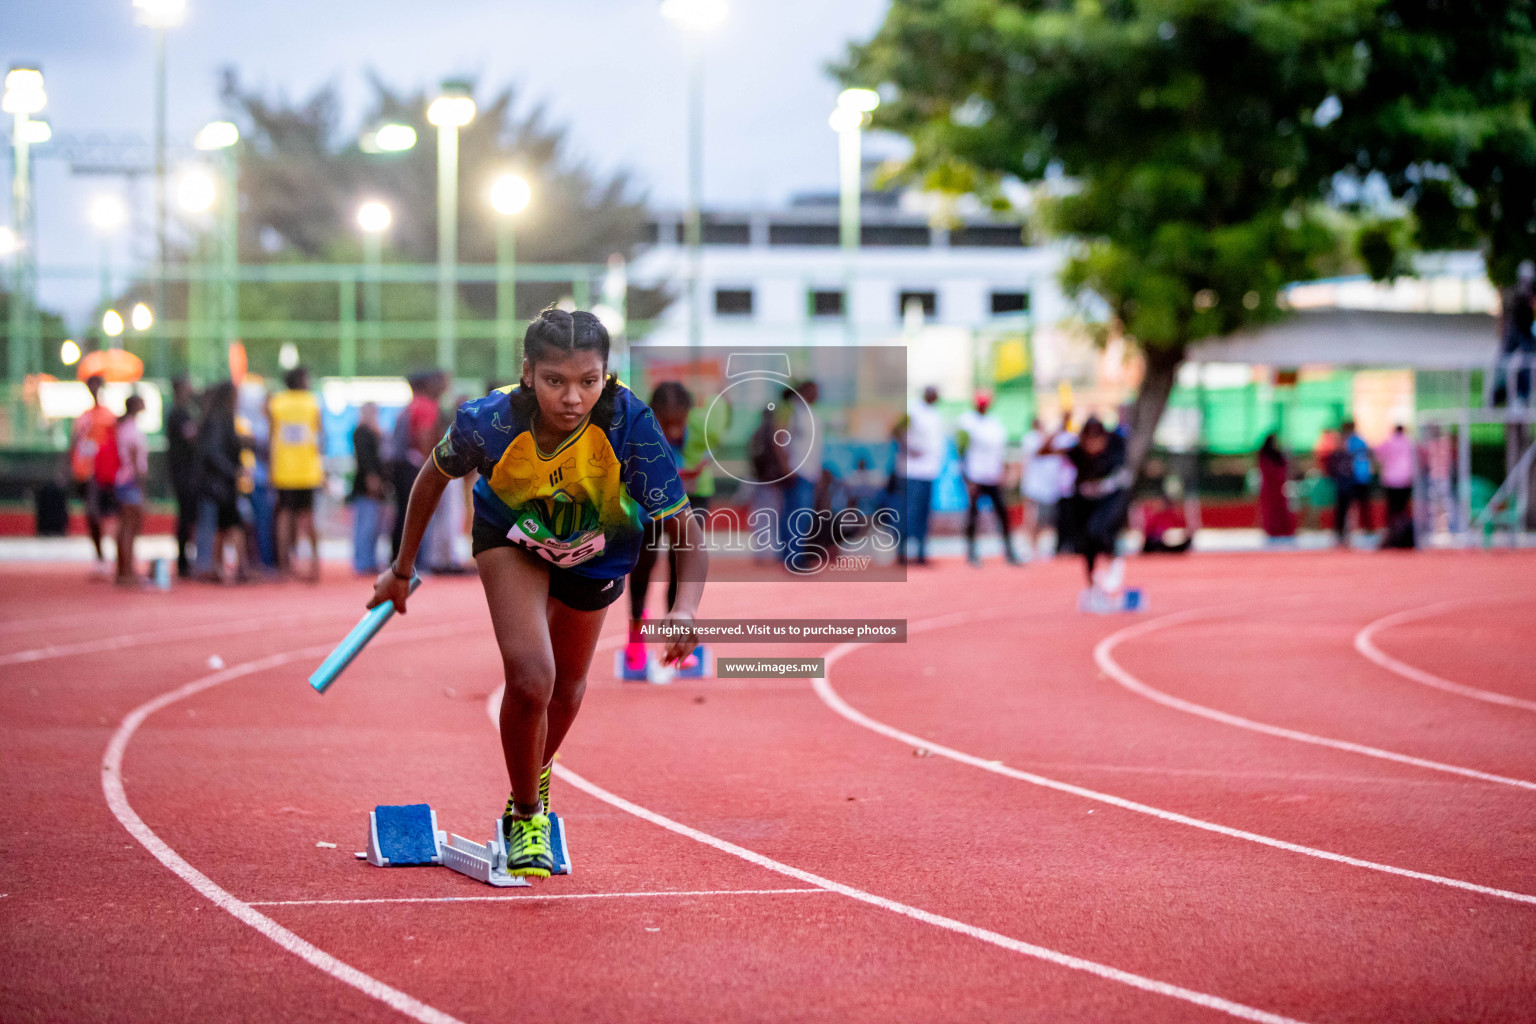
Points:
x=557 y=333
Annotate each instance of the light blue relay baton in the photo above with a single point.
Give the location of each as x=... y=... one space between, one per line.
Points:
x=352 y=645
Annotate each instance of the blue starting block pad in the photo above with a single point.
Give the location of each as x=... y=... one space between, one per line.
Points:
x=403 y=835
x=400 y=836
x=696 y=665
x=1099 y=602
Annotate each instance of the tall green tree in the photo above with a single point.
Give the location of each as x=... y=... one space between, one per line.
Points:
x=1445 y=115
x=1184 y=143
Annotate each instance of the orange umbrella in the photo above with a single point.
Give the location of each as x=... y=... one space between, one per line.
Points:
x=115 y=364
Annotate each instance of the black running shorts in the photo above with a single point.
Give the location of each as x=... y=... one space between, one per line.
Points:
x=578 y=593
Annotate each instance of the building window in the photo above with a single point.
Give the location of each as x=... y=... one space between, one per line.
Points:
x=657 y=232
x=733 y=302
x=1004 y=303
x=987 y=235
x=895 y=234
x=726 y=233
x=802 y=234
x=929 y=300
x=826 y=303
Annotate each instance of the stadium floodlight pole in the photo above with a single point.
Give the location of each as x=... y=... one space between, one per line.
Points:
x=160 y=15
x=374 y=218
x=848 y=120
x=106 y=214
x=510 y=194
x=224 y=136
x=695 y=17
x=24 y=96
x=453 y=109
x=196 y=194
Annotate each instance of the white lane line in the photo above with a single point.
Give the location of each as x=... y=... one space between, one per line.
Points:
x=117 y=800
x=165 y=636
x=1162 y=988
x=523 y=898
x=831 y=698
x=1103 y=655
x=1365 y=643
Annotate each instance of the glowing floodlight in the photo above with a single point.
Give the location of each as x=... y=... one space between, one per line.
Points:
x=510 y=194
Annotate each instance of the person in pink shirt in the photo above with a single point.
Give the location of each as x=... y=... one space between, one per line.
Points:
x=1395 y=456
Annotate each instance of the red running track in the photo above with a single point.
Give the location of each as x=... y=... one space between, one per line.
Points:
x=760 y=855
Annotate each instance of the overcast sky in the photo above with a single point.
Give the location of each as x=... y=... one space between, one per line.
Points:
x=611 y=70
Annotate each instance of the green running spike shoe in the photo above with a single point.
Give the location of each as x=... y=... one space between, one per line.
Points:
x=527 y=842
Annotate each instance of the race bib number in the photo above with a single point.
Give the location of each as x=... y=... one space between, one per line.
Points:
x=529 y=533
x=295 y=433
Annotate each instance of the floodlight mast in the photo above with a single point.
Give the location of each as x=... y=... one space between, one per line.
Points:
x=848 y=119
x=107 y=214
x=24 y=96
x=224 y=137
x=451 y=110
x=510 y=195
x=695 y=17
x=374 y=218
x=160 y=15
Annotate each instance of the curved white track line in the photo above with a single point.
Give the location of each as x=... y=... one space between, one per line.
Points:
x=117 y=800
x=164 y=636
x=1102 y=655
x=1365 y=643
x=1161 y=988
x=831 y=698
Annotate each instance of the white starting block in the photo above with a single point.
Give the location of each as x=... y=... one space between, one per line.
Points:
x=1104 y=602
x=400 y=836
x=699 y=664
x=486 y=863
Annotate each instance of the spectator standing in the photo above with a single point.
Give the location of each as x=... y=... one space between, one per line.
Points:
x=93 y=463
x=983 y=443
x=1396 y=456
x=1043 y=469
x=254 y=424
x=219 y=469
x=1060 y=449
x=297 y=469
x=181 y=460
x=367 y=496
x=1517 y=342
x=926 y=448
x=770 y=467
x=451 y=520
x=411 y=444
x=132 y=474
x=804 y=458
x=1349 y=466
x=1275 y=514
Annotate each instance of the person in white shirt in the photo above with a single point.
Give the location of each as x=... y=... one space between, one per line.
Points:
x=1043 y=470
x=924 y=461
x=983 y=443
x=132 y=472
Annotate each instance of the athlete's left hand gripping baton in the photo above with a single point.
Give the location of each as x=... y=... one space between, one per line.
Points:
x=350 y=647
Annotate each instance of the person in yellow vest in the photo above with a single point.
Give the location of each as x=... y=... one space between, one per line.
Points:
x=297 y=470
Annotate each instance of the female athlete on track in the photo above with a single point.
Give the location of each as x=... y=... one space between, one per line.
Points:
x=684 y=427
x=572 y=466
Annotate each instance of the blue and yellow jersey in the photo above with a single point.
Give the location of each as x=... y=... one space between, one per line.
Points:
x=584 y=505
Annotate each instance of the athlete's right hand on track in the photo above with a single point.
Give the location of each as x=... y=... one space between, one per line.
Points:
x=389 y=587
